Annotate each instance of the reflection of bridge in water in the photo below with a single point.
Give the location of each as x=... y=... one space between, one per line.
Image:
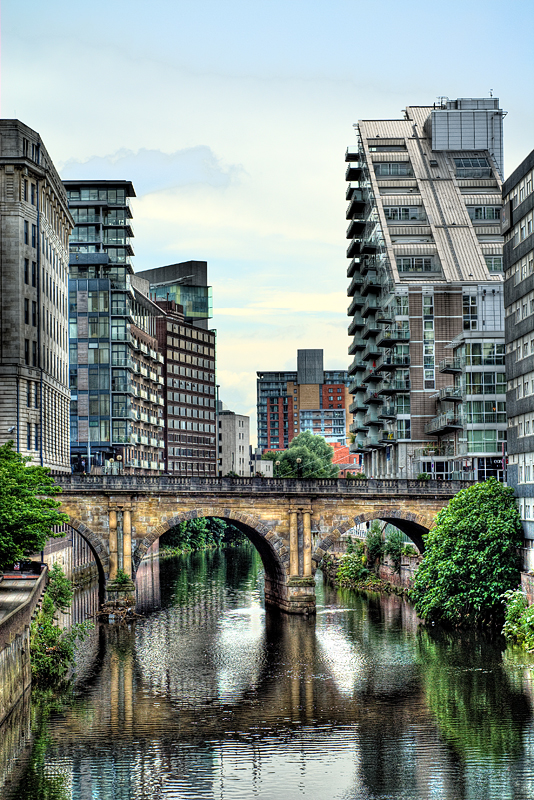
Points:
x=292 y=523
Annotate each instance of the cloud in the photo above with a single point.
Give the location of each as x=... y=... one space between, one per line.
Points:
x=156 y=171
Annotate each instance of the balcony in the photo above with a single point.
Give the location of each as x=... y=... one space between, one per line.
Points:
x=357 y=303
x=372 y=397
x=371 y=306
x=357 y=385
x=391 y=335
x=443 y=423
x=357 y=405
x=394 y=386
x=450 y=365
x=388 y=412
x=354 y=248
x=371 y=352
x=372 y=440
x=357 y=200
x=356 y=446
x=356 y=366
x=352 y=154
x=388 y=437
x=353 y=268
x=495 y=448
x=371 y=283
x=392 y=362
x=384 y=315
x=356 y=324
x=160 y=358
x=355 y=285
x=353 y=172
x=451 y=394
x=372 y=375
x=371 y=328
x=357 y=344
x=357 y=427
x=356 y=228
x=435 y=449
x=371 y=419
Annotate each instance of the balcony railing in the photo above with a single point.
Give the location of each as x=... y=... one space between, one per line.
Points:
x=450 y=365
x=435 y=449
x=450 y=393
x=443 y=423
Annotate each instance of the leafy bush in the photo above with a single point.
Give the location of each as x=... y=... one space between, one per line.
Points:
x=52 y=648
x=393 y=547
x=471 y=557
x=360 y=476
x=122 y=579
x=351 y=569
x=231 y=474
x=409 y=550
x=374 y=544
x=200 y=534
x=518 y=618
x=424 y=476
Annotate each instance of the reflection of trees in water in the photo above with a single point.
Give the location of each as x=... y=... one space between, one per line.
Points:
x=470 y=696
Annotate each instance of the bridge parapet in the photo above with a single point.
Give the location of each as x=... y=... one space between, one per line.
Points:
x=287 y=486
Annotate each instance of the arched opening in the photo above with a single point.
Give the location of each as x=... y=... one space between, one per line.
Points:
x=97 y=550
x=412 y=525
x=267 y=543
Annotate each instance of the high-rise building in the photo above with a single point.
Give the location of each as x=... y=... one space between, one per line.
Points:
x=117 y=420
x=310 y=399
x=518 y=229
x=182 y=292
x=427 y=317
x=234 y=442
x=35 y=224
x=190 y=406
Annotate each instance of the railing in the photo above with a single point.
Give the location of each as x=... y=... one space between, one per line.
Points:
x=442 y=422
x=434 y=449
x=340 y=486
x=450 y=365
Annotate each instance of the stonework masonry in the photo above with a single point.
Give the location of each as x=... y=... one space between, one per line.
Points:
x=292 y=523
x=34 y=228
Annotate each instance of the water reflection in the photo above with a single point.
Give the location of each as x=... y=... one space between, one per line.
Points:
x=211 y=697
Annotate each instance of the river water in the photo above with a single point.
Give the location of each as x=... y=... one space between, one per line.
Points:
x=209 y=696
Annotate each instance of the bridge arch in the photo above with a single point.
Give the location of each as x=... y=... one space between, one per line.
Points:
x=413 y=525
x=98 y=548
x=270 y=545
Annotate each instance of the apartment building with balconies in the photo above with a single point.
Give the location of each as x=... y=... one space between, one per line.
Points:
x=116 y=381
x=35 y=224
x=310 y=399
x=426 y=288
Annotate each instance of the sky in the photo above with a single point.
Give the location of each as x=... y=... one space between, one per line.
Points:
x=232 y=119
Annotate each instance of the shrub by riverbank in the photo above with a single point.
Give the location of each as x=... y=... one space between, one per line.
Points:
x=347 y=571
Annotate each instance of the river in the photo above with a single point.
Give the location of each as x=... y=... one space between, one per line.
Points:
x=209 y=696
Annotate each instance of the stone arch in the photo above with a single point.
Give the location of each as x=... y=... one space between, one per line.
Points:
x=98 y=548
x=273 y=550
x=412 y=524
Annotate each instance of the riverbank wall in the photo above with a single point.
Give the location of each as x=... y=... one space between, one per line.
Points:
x=15 y=667
x=386 y=572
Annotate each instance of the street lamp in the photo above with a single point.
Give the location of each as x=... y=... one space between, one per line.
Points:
x=299 y=467
x=277 y=464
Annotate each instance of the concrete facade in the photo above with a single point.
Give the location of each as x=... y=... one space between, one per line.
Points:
x=234 y=442
x=426 y=285
x=292 y=523
x=35 y=224
x=518 y=228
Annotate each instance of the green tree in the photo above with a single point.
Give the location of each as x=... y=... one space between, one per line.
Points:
x=27 y=510
x=315 y=458
x=374 y=544
x=394 y=546
x=471 y=557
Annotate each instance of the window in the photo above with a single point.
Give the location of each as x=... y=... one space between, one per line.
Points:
x=26 y=311
x=33 y=194
x=27 y=352
x=481 y=213
x=26 y=232
x=394 y=168
x=28 y=436
x=404 y=213
x=28 y=394
x=470 y=312
x=403 y=428
x=34 y=273
x=34 y=354
x=417 y=264
x=403 y=404
x=34 y=235
x=472 y=168
x=34 y=313
x=494 y=263
x=36 y=432
x=26 y=271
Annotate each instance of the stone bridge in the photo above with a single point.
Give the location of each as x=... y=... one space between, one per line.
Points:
x=292 y=523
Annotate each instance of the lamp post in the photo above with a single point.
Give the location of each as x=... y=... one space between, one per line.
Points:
x=277 y=464
x=299 y=467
